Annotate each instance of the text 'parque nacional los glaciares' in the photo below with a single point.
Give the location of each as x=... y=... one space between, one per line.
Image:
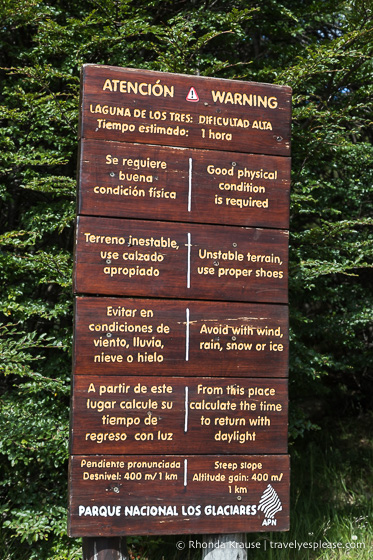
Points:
x=179 y=404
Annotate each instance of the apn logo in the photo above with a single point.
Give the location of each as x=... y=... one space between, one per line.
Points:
x=192 y=95
x=269 y=504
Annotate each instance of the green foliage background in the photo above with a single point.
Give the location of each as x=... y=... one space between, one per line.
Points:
x=323 y=50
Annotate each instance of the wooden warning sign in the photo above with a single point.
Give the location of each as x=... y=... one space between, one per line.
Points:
x=158 y=183
x=174 y=415
x=142 y=258
x=140 y=106
x=179 y=493
x=180 y=396
x=121 y=336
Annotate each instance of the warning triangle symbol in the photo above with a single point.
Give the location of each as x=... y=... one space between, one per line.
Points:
x=192 y=95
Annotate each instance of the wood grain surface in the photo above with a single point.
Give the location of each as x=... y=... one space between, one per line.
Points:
x=123 y=336
x=179 y=410
x=162 y=259
x=121 y=415
x=121 y=495
x=129 y=105
x=154 y=182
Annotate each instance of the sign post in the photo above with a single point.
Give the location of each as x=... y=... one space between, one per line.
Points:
x=105 y=548
x=179 y=401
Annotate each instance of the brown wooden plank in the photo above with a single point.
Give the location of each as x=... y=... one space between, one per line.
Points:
x=141 y=181
x=160 y=259
x=121 y=495
x=125 y=415
x=126 y=336
x=130 y=105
